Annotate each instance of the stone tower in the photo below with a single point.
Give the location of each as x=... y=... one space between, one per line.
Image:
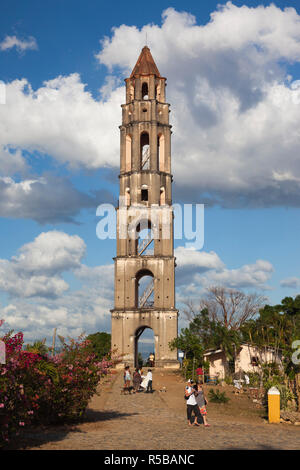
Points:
x=145 y=220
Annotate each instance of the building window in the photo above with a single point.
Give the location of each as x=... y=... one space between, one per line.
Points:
x=128 y=153
x=231 y=366
x=145 y=91
x=161 y=152
x=254 y=361
x=162 y=196
x=144 y=195
x=145 y=151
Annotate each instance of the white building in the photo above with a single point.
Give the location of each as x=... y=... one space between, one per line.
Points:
x=248 y=359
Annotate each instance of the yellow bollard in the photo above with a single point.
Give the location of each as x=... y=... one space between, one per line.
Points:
x=274 y=405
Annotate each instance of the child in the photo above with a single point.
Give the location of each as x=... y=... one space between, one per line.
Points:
x=201 y=402
x=149 y=385
x=127 y=377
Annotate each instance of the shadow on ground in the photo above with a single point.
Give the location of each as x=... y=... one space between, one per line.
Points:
x=36 y=436
x=93 y=416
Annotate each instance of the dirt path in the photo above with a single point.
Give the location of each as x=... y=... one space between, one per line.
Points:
x=158 y=421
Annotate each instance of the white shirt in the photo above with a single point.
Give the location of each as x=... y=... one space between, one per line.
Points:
x=149 y=375
x=192 y=399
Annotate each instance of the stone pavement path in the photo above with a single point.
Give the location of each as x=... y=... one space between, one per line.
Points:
x=144 y=421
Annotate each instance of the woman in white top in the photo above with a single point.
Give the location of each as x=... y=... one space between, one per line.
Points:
x=191 y=404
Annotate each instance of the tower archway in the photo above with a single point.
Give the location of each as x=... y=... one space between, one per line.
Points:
x=144 y=344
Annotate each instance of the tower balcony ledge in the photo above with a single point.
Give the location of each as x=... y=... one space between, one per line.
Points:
x=153 y=172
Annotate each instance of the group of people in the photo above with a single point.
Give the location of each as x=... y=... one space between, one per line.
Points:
x=140 y=382
x=196 y=403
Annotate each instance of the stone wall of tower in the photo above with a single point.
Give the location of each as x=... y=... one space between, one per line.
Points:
x=146 y=192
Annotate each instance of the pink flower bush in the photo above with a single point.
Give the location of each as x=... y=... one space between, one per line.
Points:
x=39 y=389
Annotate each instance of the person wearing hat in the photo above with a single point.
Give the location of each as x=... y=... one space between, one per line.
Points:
x=191 y=404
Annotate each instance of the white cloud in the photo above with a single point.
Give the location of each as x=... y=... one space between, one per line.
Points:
x=197 y=259
x=235 y=112
x=63 y=120
x=291 y=282
x=46 y=199
x=51 y=253
x=11 y=162
x=197 y=270
x=37 y=270
x=41 y=300
x=20 y=44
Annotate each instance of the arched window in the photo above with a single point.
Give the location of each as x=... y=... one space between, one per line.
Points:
x=128 y=153
x=127 y=196
x=145 y=151
x=157 y=92
x=144 y=289
x=162 y=196
x=145 y=91
x=144 y=242
x=131 y=92
x=161 y=152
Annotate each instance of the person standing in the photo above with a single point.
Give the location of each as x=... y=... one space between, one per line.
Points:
x=149 y=384
x=201 y=402
x=151 y=360
x=127 y=377
x=191 y=404
x=200 y=374
x=137 y=379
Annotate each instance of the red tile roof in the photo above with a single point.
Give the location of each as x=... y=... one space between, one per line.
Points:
x=145 y=64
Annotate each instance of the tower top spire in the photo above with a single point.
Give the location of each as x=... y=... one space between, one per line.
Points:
x=145 y=64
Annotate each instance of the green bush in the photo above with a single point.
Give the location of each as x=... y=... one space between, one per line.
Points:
x=215 y=396
x=228 y=380
x=286 y=396
x=39 y=389
x=254 y=379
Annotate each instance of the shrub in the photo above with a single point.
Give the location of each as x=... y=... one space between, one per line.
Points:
x=215 y=396
x=228 y=380
x=36 y=388
x=254 y=379
x=286 y=396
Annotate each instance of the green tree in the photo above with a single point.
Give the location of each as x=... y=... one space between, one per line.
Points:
x=38 y=347
x=202 y=334
x=100 y=344
x=278 y=327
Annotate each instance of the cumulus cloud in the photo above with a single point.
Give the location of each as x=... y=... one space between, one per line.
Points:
x=291 y=282
x=235 y=110
x=11 y=162
x=47 y=199
x=37 y=270
x=9 y=42
x=63 y=120
x=197 y=270
x=40 y=299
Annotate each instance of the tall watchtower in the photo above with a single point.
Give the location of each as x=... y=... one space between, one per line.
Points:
x=145 y=263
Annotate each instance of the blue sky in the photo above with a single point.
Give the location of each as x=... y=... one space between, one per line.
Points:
x=232 y=84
